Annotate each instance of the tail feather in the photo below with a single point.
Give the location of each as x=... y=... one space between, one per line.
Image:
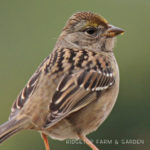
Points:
x=11 y=127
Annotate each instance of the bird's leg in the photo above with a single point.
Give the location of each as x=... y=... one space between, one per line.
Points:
x=88 y=142
x=45 y=141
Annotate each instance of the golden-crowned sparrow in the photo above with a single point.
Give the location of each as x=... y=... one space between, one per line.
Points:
x=75 y=88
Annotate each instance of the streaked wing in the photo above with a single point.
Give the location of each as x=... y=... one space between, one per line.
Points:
x=77 y=90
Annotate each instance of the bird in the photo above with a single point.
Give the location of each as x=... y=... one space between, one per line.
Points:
x=75 y=88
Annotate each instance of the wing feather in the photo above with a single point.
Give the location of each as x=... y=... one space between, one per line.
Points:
x=75 y=91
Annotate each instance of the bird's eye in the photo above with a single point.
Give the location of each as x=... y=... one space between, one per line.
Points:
x=91 y=31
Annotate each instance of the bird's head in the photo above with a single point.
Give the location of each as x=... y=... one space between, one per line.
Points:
x=89 y=31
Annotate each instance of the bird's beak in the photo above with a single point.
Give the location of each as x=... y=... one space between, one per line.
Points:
x=113 y=31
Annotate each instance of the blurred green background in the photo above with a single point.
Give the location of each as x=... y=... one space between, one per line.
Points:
x=28 y=32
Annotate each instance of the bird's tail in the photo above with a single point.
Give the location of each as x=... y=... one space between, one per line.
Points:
x=11 y=127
